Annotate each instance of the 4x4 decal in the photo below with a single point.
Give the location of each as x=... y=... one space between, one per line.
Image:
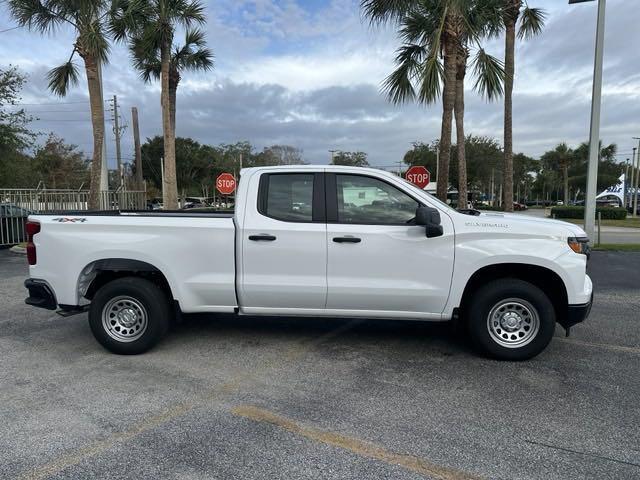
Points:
x=69 y=219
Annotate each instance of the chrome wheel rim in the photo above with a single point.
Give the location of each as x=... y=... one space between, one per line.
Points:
x=124 y=319
x=513 y=323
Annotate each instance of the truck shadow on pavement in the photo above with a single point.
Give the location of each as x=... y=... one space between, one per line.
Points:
x=441 y=337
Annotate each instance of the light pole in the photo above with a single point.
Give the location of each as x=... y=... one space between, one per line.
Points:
x=634 y=192
x=594 y=136
x=633 y=176
x=625 y=192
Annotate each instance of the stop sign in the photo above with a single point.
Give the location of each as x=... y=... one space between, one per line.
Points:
x=226 y=183
x=418 y=175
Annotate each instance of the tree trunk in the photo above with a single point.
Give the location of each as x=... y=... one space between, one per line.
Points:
x=461 y=71
x=170 y=187
x=509 y=70
x=174 y=79
x=97 y=122
x=565 y=172
x=448 y=103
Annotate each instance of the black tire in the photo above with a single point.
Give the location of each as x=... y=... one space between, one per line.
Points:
x=514 y=305
x=145 y=320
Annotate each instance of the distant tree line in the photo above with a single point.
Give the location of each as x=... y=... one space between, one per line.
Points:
x=559 y=174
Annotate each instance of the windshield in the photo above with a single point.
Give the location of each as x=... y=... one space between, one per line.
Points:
x=422 y=192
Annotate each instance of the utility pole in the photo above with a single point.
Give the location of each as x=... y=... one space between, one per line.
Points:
x=137 y=151
x=594 y=136
x=116 y=131
x=629 y=203
x=104 y=169
x=635 y=186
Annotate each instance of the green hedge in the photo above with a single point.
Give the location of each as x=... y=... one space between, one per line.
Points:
x=608 y=213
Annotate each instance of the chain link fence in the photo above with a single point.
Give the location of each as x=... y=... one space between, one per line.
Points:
x=17 y=204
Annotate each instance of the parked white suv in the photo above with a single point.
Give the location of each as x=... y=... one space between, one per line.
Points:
x=315 y=241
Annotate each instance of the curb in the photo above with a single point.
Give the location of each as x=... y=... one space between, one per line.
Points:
x=18 y=249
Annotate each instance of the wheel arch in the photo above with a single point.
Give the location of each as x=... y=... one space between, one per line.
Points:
x=544 y=278
x=100 y=272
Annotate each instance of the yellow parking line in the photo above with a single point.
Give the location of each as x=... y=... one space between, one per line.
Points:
x=354 y=445
x=235 y=383
x=607 y=346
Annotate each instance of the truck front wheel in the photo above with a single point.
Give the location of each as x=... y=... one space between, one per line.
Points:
x=129 y=315
x=511 y=319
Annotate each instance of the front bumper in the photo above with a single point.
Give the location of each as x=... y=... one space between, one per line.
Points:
x=40 y=294
x=576 y=314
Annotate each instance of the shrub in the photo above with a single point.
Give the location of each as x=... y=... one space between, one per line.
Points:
x=608 y=213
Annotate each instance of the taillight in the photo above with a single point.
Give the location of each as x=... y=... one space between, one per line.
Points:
x=32 y=229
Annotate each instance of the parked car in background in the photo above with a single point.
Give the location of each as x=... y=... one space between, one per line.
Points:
x=519 y=206
x=12 y=223
x=194 y=202
x=154 y=204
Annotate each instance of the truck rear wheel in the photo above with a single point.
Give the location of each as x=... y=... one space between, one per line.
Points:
x=511 y=319
x=129 y=315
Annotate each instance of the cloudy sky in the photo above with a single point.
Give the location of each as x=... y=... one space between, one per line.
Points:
x=307 y=73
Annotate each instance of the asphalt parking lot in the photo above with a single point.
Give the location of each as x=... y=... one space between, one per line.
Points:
x=301 y=398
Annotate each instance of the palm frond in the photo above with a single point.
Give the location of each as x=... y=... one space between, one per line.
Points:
x=195 y=37
x=419 y=27
x=146 y=62
x=201 y=59
x=126 y=17
x=385 y=11
x=35 y=15
x=531 y=22
x=484 y=19
x=191 y=13
x=489 y=73
x=94 y=41
x=62 y=78
x=398 y=85
x=431 y=75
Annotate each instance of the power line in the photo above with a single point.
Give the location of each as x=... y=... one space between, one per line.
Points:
x=56 y=103
x=55 y=111
x=58 y=120
x=9 y=29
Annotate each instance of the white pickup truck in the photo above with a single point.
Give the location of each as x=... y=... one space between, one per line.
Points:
x=315 y=241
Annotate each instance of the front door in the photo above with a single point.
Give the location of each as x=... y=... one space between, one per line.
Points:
x=379 y=262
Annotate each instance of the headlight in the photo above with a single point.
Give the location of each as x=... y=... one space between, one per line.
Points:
x=579 y=244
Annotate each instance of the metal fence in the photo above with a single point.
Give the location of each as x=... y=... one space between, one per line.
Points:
x=17 y=204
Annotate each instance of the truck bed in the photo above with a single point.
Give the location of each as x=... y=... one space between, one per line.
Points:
x=194 y=251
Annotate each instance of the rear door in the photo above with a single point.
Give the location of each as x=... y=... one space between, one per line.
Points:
x=379 y=262
x=284 y=244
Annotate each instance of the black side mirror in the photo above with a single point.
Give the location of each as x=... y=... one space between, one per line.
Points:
x=430 y=218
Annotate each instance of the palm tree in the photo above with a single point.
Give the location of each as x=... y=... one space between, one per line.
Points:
x=561 y=157
x=193 y=55
x=90 y=21
x=157 y=21
x=489 y=72
x=436 y=36
x=531 y=24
